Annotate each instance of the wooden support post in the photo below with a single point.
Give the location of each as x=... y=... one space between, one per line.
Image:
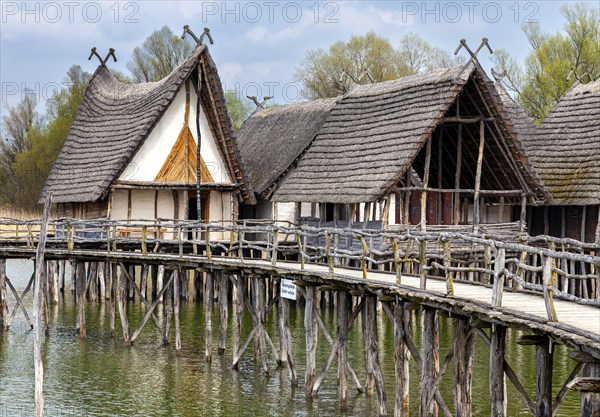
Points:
x=223 y=312
x=53 y=281
x=497 y=380
x=544 y=361
x=3 y=301
x=478 y=177
x=113 y=296
x=168 y=303
x=208 y=305
x=401 y=359
x=286 y=356
x=464 y=358
x=430 y=362
x=406 y=208
x=549 y=280
x=37 y=305
x=423 y=264
x=590 y=401
x=310 y=327
x=425 y=186
x=121 y=300
x=80 y=296
x=523 y=212
x=501 y=210
x=499 y=265
x=344 y=300
x=238 y=312
x=260 y=320
x=373 y=368
x=176 y=300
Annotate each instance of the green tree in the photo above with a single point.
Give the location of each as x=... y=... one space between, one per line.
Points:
x=158 y=56
x=238 y=109
x=31 y=145
x=365 y=59
x=543 y=79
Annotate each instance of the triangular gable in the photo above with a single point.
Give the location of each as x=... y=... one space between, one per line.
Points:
x=181 y=164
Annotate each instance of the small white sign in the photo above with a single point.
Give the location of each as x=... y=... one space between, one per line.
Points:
x=288 y=289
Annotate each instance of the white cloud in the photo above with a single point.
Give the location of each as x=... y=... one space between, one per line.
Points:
x=230 y=70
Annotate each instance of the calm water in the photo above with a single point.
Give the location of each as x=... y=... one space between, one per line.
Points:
x=99 y=377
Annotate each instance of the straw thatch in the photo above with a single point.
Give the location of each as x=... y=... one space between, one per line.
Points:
x=566 y=147
x=115 y=118
x=271 y=139
x=376 y=132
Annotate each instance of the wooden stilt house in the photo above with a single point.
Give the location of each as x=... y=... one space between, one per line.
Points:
x=448 y=126
x=132 y=151
x=565 y=150
x=270 y=142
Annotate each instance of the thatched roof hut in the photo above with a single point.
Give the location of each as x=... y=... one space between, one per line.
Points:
x=271 y=139
x=566 y=147
x=116 y=118
x=376 y=132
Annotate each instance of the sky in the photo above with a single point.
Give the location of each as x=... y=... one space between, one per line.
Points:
x=258 y=44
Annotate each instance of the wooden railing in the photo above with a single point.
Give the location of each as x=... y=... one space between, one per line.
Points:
x=557 y=268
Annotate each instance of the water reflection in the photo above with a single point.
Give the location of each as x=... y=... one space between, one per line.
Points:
x=98 y=376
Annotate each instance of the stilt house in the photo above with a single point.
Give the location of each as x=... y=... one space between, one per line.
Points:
x=270 y=141
x=449 y=127
x=566 y=153
x=131 y=153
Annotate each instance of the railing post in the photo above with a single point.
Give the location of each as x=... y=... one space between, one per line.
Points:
x=107 y=238
x=144 y=235
x=241 y=243
x=179 y=240
x=548 y=280
x=30 y=235
x=208 y=248
x=300 y=250
x=364 y=257
x=447 y=265
x=499 y=265
x=328 y=251
x=397 y=264
x=423 y=263
x=69 y=238
x=274 y=247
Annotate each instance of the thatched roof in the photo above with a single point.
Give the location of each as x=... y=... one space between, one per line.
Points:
x=115 y=118
x=271 y=139
x=375 y=133
x=566 y=147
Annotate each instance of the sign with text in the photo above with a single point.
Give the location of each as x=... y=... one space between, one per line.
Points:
x=288 y=289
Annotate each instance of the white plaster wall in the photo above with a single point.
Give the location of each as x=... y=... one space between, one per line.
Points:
x=305 y=209
x=150 y=158
x=119 y=205
x=142 y=204
x=392 y=212
x=166 y=205
x=285 y=212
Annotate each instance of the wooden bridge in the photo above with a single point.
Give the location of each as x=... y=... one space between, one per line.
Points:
x=546 y=286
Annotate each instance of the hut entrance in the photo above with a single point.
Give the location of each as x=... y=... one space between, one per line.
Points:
x=193 y=207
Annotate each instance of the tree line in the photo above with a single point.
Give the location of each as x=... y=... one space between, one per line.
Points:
x=30 y=141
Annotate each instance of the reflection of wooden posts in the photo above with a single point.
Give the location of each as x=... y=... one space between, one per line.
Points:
x=208 y=304
x=176 y=299
x=476 y=201
x=80 y=296
x=3 y=301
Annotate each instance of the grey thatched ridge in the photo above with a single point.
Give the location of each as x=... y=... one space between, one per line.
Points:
x=113 y=121
x=271 y=139
x=566 y=147
x=374 y=133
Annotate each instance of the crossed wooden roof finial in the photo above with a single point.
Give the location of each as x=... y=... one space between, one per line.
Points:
x=260 y=105
x=463 y=44
x=186 y=29
x=577 y=76
x=111 y=52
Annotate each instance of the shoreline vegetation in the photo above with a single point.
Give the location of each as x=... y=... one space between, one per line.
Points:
x=15 y=213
